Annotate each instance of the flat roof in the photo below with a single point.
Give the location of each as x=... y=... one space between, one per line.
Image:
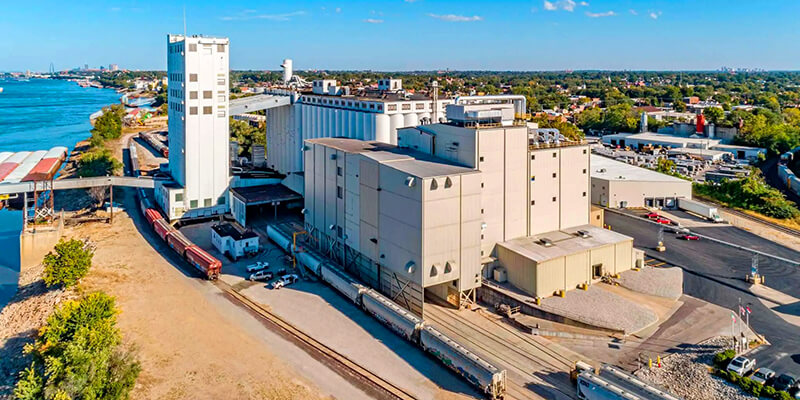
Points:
x=612 y=170
x=264 y=194
x=226 y=229
x=704 y=152
x=410 y=161
x=565 y=242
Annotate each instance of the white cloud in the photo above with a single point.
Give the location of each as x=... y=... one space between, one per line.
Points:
x=566 y=5
x=249 y=14
x=654 y=14
x=456 y=18
x=338 y=9
x=600 y=14
x=584 y=4
x=373 y=21
x=633 y=12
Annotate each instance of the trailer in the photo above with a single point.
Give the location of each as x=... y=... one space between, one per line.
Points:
x=396 y=318
x=701 y=209
x=463 y=362
x=204 y=262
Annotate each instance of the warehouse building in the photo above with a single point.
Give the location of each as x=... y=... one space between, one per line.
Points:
x=619 y=185
x=640 y=140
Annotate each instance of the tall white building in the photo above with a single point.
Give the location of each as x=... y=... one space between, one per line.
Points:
x=197 y=73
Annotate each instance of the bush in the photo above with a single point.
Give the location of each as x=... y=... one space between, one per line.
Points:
x=768 y=391
x=109 y=125
x=750 y=193
x=781 y=395
x=98 y=162
x=68 y=264
x=77 y=355
x=722 y=359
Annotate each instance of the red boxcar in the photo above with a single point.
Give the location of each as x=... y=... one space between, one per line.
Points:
x=203 y=261
x=152 y=216
x=178 y=242
x=162 y=228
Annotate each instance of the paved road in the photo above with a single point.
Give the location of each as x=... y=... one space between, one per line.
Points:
x=727 y=267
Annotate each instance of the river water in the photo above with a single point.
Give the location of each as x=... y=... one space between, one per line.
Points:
x=37 y=115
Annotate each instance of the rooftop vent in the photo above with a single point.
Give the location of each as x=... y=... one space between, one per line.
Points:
x=546 y=242
x=583 y=233
x=410 y=181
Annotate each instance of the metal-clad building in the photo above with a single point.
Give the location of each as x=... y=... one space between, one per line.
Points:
x=619 y=185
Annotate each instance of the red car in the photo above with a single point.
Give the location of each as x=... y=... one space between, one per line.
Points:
x=662 y=220
x=688 y=236
x=652 y=215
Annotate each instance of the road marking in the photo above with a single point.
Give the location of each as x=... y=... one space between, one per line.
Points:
x=658 y=265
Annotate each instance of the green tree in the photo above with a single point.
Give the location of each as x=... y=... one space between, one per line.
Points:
x=665 y=166
x=68 y=264
x=679 y=106
x=109 y=125
x=247 y=135
x=77 y=355
x=98 y=162
x=714 y=115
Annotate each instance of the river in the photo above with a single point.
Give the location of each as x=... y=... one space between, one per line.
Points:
x=37 y=115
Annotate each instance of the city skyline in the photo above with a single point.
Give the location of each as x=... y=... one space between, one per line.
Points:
x=406 y=35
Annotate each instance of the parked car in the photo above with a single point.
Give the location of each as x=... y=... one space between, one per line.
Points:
x=662 y=220
x=763 y=376
x=258 y=266
x=262 y=275
x=795 y=393
x=285 y=281
x=785 y=382
x=688 y=236
x=652 y=215
x=741 y=365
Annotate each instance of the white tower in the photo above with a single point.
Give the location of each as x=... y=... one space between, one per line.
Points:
x=644 y=122
x=197 y=69
x=287 y=70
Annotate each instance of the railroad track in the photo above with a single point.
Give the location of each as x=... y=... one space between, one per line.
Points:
x=772 y=225
x=372 y=382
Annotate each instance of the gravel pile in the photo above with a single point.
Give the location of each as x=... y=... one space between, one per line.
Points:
x=601 y=308
x=661 y=282
x=687 y=374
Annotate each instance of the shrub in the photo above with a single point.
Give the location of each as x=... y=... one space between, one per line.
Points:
x=98 y=162
x=781 y=395
x=722 y=359
x=768 y=391
x=77 y=355
x=68 y=264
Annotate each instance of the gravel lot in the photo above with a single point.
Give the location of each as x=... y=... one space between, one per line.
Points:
x=687 y=374
x=601 y=308
x=661 y=282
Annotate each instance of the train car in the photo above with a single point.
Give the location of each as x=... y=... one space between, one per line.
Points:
x=152 y=215
x=398 y=319
x=155 y=143
x=162 y=228
x=145 y=204
x=204 y=262
x=480 y=373
x=794 y=184
x=134 y=157
x=346 y=286
x=178 y=242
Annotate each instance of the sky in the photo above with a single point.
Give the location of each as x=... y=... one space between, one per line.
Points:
x=399 y=35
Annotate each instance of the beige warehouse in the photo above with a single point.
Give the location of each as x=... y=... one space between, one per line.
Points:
x=619 y=185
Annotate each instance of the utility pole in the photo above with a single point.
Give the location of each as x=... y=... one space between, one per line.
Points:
x=111 y=202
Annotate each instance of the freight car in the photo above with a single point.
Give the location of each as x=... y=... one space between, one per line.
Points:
x=475 y=370
x=156 y=144
x=204 y=262
x=178 y=242
x=396 y=318
x=341 y=282
x=162 y=228
x=134 y=157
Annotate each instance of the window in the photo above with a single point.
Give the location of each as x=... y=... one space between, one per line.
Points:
x=554 y=174
x=480 y=159
x=533 y=157
x=554 y=199
x=481 y=211
x=221 y=98
x=221 y=113
x=448 y=268
x=419 y=106
x=481 y=185
x=533 y=178
x=192 y=110
x=193 y=95
x=207 y=110
x=391 y=107
x=192 y=77
x=533 y=202
x=554 y=155
x=221 y=200
x=584 y=170
x=406 y=106
x=192 y=47
x=448 y=183
x=178 y=196
x=207 y=94
x=192 y=204
x=220 y=48
x=434 y=271
x=339 y=232
x=339 y=193
x=584 y=194
x=339 y=171
x=584 y=151
x=207 y=203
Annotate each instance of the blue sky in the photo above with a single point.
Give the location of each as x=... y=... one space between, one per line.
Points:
x=412 y=34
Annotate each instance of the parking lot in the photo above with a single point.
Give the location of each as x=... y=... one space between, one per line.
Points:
x=715 y=272
x=322 y=313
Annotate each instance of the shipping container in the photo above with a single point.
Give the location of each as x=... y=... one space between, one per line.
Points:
x=24 y=167
x=152 y=215
x=178 y=242
x=162 y=228
x=11 y=163
x=398 y=319
x=346 y=286
x=480 y=373
x=208 y=265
